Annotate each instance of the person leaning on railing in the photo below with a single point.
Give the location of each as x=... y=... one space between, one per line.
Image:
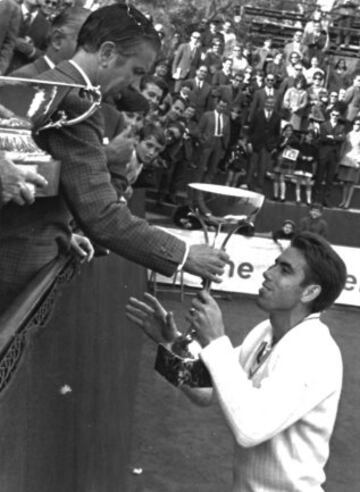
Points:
x=117 y=45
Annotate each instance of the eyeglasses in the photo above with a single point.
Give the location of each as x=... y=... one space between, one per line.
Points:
x=270 y=80
x=53 y=3
x=317 y=78
x=196 y=37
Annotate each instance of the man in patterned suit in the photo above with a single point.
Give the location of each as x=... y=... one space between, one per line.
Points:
x=116 y=46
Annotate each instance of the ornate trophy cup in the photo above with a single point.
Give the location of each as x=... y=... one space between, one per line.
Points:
x=28 y=105
x=225 y=209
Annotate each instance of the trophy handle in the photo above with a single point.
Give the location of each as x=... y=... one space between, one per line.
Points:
x=95 y=96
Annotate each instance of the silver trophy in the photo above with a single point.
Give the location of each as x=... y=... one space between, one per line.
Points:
x=29 y=106
x=220 y=209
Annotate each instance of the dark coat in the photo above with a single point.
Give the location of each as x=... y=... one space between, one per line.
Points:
x=10 y=17
x=263 y=132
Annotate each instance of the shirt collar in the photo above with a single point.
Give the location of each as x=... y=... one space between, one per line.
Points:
x=82 y=73
x=49 y=62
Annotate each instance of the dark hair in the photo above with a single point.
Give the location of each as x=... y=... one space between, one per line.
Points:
x=323 y=266
x=151 y=129
x=302 y=79
x=72 y=17
x=122 y=24
x=152 y=79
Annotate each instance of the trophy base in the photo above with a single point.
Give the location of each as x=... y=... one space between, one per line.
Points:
x=179 y=371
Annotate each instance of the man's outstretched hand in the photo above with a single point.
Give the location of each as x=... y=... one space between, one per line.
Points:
x=206 y=262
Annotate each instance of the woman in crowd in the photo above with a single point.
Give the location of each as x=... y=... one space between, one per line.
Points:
x=295 y=102
x=314 y=67
x=339 y=76
x=349 y=168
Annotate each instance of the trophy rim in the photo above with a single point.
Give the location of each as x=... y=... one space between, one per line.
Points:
x=226 y=190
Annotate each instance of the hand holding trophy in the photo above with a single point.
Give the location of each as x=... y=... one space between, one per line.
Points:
x=227 y=210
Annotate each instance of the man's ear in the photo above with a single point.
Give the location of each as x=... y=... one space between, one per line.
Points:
x=56 y=40
x=107 y=52
x=310 y=293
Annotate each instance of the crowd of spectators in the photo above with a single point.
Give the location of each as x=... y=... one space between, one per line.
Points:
x=215 y=108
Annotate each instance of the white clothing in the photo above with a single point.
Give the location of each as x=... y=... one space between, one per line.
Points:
x=283 y=416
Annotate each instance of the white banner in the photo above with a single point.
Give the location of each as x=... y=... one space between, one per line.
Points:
x=251 y=256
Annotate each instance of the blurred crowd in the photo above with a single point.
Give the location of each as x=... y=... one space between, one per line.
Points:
x=215 y=109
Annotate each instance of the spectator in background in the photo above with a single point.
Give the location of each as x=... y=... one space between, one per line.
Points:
x=264 y=131
x=229 y=38
x=153 y=89
x=293 y=64
x=306 y=165
x=186 y=60
x=349 y=168
x=277 y=68
x=10 y=18
x=314 y=221
x=33 y=35
x=200 y=94
x=294 y=103
x=213 y=59
x=214 y=135
x=63 y=34
x=352 y=99
x=286 y=157
x=296 y=46
x=260 y=95
x=263 y=55
x=332 y=135
x=286 y=232
x=223 y=76
x=314 y=67
x=239 y=61
x=339 y=76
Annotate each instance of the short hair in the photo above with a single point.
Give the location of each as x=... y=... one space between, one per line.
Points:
x=323 y=266
x=152 y=79
x=122 y=24
x=72 y=18
x=300 y=78
x=151 y=129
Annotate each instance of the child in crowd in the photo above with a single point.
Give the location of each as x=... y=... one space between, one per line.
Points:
x=237 y=164
x=287 y=155
x=306 y=166
x=287 y=232
x=314 y=221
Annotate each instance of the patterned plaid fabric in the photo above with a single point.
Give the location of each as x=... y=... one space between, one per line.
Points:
x=32 y=236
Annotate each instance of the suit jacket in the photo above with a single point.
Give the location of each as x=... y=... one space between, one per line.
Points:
x=186 y=61
x=10 y=16
x=226 y=92
x=207 y=129
x=32 y=236
x=220 y=78
x=38 y=31
x=200 y=96
x=258 y=101
x=31 y=70
x=331 y=139
x=263 y=132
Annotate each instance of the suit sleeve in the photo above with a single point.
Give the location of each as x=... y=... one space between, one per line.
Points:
x=7 y=48
x=85 y=184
